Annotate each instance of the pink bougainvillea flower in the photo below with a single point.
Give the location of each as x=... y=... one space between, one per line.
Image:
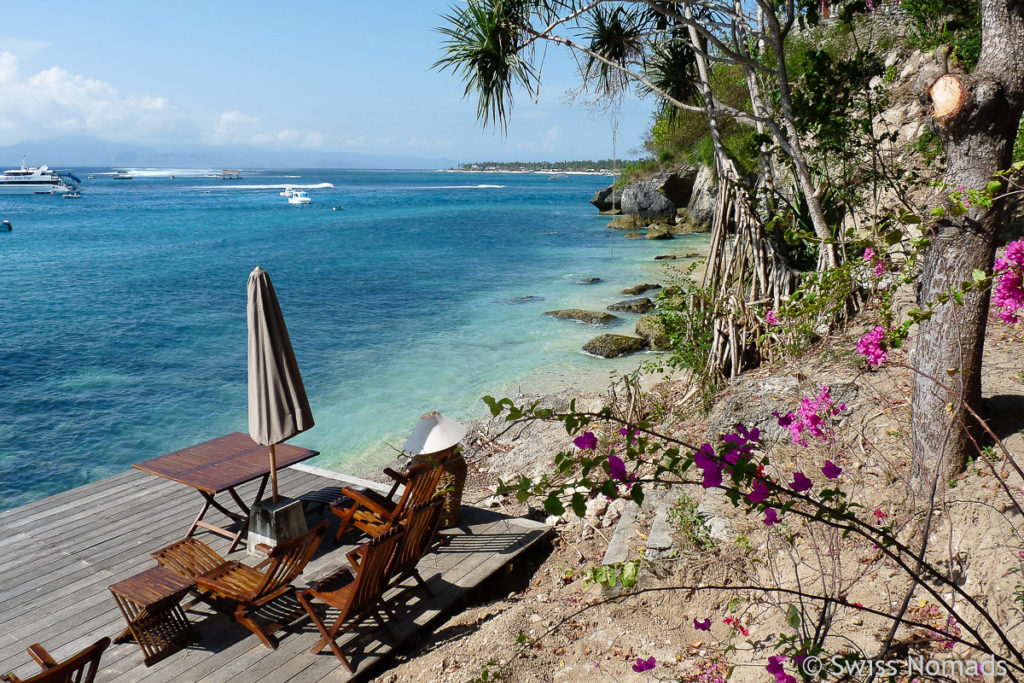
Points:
x=775 y=669
x=643 y=665
x=586 y=441
x=628 y=433
x=702 y=625
x=770 y=517
x=758 y=493
x=879 y=515
x=735 y=623
x=770 y=318
x=1008 y=293
x=784 y=420
x=870 y=346
x=810 y=418
x=800 y=482
x=831 y=470
x=616 y=468
x=880 y=268
x=869 y=254
x=704 y=458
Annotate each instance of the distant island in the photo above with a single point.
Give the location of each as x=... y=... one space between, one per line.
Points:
x=599 y=167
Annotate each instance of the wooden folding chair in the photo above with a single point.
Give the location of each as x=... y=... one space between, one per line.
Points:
x=239 y=590
x=373 y=513
x=420 y=527
x=80 y=668
x=356 y=597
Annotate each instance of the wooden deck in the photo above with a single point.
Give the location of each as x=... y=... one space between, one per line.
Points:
x=58 y=556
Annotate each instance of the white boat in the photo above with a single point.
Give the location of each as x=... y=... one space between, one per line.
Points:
x=37 y=180
x=73 y=195
x=300 y=197
x=287 y=191
x=123 y=175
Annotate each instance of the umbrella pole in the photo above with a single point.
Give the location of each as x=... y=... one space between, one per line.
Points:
x=273 y=470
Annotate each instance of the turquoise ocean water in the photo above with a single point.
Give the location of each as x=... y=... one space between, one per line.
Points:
x=124 y=330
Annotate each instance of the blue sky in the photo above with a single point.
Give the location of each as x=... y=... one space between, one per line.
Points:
x=331 y=76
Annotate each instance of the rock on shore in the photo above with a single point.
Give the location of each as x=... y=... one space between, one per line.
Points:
x=640 y=289
x=650 y=328
x=588 y=317
x=615 y=345
x=641 y=305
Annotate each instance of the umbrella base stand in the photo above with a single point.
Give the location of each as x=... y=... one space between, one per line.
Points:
x=274 y=523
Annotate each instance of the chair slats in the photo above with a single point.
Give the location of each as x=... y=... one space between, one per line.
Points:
x=80 y=668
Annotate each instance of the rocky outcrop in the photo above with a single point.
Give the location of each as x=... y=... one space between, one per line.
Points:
x=641 y=305
x=665 y=257
x=644 y=200
x=640 y=289
x=657 y=232
x=629 y=223
x=615 y=345
x=701 y=207
x=634 y=235
x=603 y=199
x=589 y=281
x=650 y=328
x=588 y=317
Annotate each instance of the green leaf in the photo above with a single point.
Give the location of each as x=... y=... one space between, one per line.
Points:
x=579 y=505
x=993 y=186
x=793 y=617
x=553 y=506
x=637 y=493
x=938 y=211
x=630 y=571
x=978 y=275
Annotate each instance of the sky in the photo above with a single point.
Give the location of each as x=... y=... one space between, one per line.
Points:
x=340 y=76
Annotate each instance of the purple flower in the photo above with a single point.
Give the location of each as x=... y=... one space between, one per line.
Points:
x=770 y=516
x=703 y=458
x=586 y=442
x=759 y=492
x=771 y=319
x=831 y=470
x=775 y=668
x=870 y=346
x=880 y=268
x=616 y=468
x=712 y=478
x=784 y=420
x=1008 y=294
x=643 y=665
x=702 y=625
x=800 y=482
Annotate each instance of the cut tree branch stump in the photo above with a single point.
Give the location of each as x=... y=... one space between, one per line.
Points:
x=947 y=94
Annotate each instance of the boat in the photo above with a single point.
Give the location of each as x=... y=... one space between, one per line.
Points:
x=92 y=177
x=37 y=180
x=74 y=194
x=5 y=226
x=123 y=175
x=287 y=191
x=300 y=197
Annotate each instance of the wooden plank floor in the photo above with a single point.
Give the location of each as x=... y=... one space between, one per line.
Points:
x=58 y=556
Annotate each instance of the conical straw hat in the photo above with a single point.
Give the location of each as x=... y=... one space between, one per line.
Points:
x=434 y=432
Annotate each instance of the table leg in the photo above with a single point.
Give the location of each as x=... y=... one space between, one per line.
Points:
x=241 y=504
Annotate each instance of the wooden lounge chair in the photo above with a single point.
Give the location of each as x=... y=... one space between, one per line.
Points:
x=356 y=597
x=239 y=590
x=80 y=668
x=420 y=526
x=373 y=513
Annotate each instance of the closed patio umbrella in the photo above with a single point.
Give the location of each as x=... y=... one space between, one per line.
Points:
x=278 y=407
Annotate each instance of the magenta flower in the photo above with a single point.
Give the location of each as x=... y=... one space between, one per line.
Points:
x=880 y=268
x=800 y=482
x=869 y=254
x=775 y=669
x=643 y=665
x=586 y=442
x=616 y=468
x=628 y=434
x=704 y=458
x=1008 y=295
x=702 y=625
x=758 y=493
x=879 y=515
x=770 y=516
x=831 y=470
x=810 y=417
x=770 y=318
x=870 y=346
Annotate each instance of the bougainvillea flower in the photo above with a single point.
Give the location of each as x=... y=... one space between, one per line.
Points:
x=758 y=493
x=831 y=470
x=643 y=665
x=770 y=517
x=800 y=482
x=702 y=625
x=771 y=319
x=879 y=515
x=586 y=441
x=616 y=468
x=870 y=346
x=704 y=458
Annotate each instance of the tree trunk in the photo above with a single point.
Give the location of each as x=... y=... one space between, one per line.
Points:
x=976 y=117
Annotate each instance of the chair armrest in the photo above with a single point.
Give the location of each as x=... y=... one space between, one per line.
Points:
x=224 y=589
x=367 y=502
x=400 y=478
x=264 y=548
x=353 y=559
x=39 y=653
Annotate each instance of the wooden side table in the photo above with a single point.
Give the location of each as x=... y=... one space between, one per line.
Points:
x=151 y=604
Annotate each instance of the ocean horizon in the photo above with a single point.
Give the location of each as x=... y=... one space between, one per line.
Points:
x=403 y=292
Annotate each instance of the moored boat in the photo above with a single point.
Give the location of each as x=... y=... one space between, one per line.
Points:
x=300 y=197
x=37 y=180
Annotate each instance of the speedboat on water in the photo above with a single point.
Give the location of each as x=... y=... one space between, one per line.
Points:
x=37 y=180
x=287 y=191
x=300 y=197
x=123 y=175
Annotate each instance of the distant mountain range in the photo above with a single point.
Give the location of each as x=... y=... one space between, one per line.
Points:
x=69 y=152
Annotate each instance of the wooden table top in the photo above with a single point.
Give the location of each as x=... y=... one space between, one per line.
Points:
x=151 y=586
x=222 y=463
